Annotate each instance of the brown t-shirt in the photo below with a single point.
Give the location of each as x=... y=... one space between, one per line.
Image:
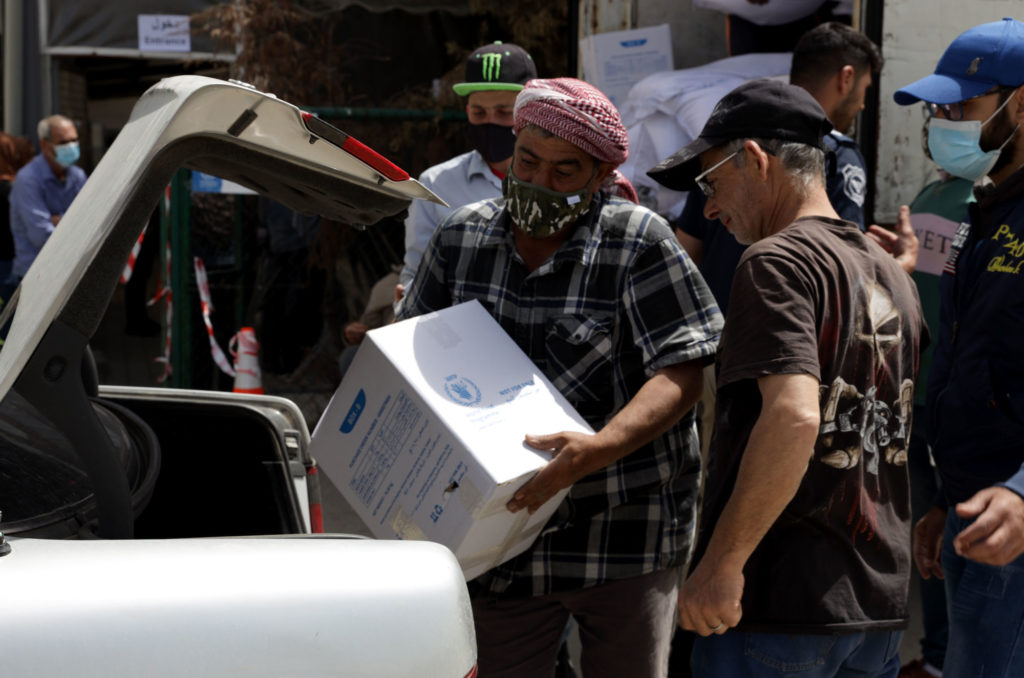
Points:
x=819 y=298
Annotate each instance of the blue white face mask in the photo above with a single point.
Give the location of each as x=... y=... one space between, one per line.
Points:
x=956 y=146
x=67 y=154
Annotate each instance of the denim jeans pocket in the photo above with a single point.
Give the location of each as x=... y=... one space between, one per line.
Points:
x=987 y=581
x=788 y=653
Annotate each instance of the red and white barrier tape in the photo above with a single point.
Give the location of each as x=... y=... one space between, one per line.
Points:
x=207 y=307
x=129 y=267
x=126 y=274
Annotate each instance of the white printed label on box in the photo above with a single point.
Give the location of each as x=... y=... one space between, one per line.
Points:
x=399 y=427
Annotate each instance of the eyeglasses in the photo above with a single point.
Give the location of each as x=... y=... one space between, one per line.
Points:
x=955 y=111
x=705 y=187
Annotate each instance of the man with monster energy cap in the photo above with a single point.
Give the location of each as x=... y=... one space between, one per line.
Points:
x=494 y=75
x=597 y=291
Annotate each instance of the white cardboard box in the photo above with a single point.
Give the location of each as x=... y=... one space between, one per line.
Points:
x=424 y=436
x=614 y=62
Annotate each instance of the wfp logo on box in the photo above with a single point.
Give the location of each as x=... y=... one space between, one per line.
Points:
x=461 y=390
x=358 y=405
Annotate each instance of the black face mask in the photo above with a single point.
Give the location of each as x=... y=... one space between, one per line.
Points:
x=494 y=142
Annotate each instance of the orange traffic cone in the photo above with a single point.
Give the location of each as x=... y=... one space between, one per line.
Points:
x=246 y=351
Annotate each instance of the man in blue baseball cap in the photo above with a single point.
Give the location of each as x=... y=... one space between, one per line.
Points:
x=974 y=535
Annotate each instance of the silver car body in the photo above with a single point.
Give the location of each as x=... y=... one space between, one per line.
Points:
x=206 y=608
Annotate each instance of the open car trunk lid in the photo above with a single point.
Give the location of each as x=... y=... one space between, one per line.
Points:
x=222 y=128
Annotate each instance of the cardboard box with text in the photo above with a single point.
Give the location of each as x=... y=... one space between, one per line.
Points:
x=424 y=436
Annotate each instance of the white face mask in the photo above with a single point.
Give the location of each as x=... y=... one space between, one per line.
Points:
x=956 y=146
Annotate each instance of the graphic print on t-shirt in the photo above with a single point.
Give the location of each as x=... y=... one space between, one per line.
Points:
x=855 y=423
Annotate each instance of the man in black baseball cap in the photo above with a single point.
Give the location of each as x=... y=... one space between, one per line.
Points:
x=805 y=520
x=500 y=66
x=495 y=74
x=768 y=113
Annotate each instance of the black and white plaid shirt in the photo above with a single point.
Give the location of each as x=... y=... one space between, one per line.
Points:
x=618 y=301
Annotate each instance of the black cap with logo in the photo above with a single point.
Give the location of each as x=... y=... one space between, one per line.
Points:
x=498 y=66
x=761 y=109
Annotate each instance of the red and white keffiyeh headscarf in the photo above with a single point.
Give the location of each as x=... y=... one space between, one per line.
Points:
x=582 y=115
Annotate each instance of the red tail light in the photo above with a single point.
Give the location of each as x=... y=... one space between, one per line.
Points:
x=316 y=511
x=375 y=160
x=352 y=145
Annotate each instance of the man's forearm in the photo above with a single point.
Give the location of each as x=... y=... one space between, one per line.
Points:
x=773 y=466
x=37 y=220
x=656 y=407
x=659 y=404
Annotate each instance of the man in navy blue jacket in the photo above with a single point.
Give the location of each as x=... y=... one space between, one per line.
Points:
x=976 y=385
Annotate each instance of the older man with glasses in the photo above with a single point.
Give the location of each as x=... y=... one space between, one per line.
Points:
x=974 y=535
x=803 y=558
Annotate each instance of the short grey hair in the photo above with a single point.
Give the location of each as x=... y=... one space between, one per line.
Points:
x=43 y=128
x=803 y=162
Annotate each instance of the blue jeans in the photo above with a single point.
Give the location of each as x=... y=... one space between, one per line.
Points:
x=739 y=654
x=923 y=488
x=986 y=613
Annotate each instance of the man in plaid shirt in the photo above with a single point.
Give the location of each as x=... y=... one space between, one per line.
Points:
x=596 y=290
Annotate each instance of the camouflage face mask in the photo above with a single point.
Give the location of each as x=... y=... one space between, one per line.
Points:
x=540 y=212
